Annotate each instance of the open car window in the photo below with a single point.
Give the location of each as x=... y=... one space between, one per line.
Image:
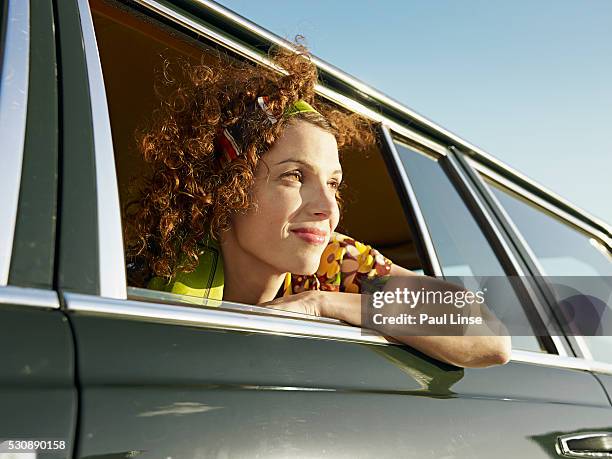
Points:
x=372 y=211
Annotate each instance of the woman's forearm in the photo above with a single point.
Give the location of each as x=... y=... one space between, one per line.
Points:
x=463 y=351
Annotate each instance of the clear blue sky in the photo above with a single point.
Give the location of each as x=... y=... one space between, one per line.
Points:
x=530 y=82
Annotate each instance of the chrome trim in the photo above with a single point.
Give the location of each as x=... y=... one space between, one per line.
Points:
x=13 y=114
x=328 y=93
x=541 y=202
x=414 y=203
x=600 y=367
x=518 y=271
x=287 y=388
x=247 y=321
x=356 y=107
x=583 y=347
x=371 y=92
x=31 y=297
x=552 y=360
x=110 y=238
x=565 y=450
x=157 y=297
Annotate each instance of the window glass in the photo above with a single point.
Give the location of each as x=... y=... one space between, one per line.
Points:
x=130 y=76
x=460 y=245
x=561 y=249
x=564 y=250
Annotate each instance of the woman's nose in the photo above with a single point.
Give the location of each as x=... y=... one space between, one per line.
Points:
x=324 y=203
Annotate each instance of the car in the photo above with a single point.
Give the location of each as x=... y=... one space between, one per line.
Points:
x=95 y=368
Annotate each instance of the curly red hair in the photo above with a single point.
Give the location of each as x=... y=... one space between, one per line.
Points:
x=190 y=196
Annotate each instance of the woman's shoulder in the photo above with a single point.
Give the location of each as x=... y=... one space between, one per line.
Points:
x=367 y=256
x=205 y=281
x=344 y=267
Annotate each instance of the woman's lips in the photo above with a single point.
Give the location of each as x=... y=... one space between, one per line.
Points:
x=311 y=235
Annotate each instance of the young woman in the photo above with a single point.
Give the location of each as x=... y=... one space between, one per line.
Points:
x=244 y=202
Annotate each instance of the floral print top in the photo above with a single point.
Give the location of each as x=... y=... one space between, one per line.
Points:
x=346 y=265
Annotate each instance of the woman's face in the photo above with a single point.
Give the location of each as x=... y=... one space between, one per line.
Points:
x=295 y=193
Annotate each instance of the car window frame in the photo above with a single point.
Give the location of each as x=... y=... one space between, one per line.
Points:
x=112 y=281
x=115 y=303
x=107 y=154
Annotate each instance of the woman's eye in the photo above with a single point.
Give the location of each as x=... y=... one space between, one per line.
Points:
x=294 y=176
x=335 y=184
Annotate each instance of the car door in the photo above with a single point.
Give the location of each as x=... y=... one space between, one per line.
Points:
x=38 y=400
x=158 y=377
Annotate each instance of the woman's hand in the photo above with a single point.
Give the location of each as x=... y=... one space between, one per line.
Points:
x=309 y=302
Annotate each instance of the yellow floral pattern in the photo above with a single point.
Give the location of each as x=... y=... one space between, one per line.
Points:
x=344 y=265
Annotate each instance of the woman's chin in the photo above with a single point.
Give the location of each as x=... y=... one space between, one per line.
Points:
x=297 y=257
x=305 y=268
